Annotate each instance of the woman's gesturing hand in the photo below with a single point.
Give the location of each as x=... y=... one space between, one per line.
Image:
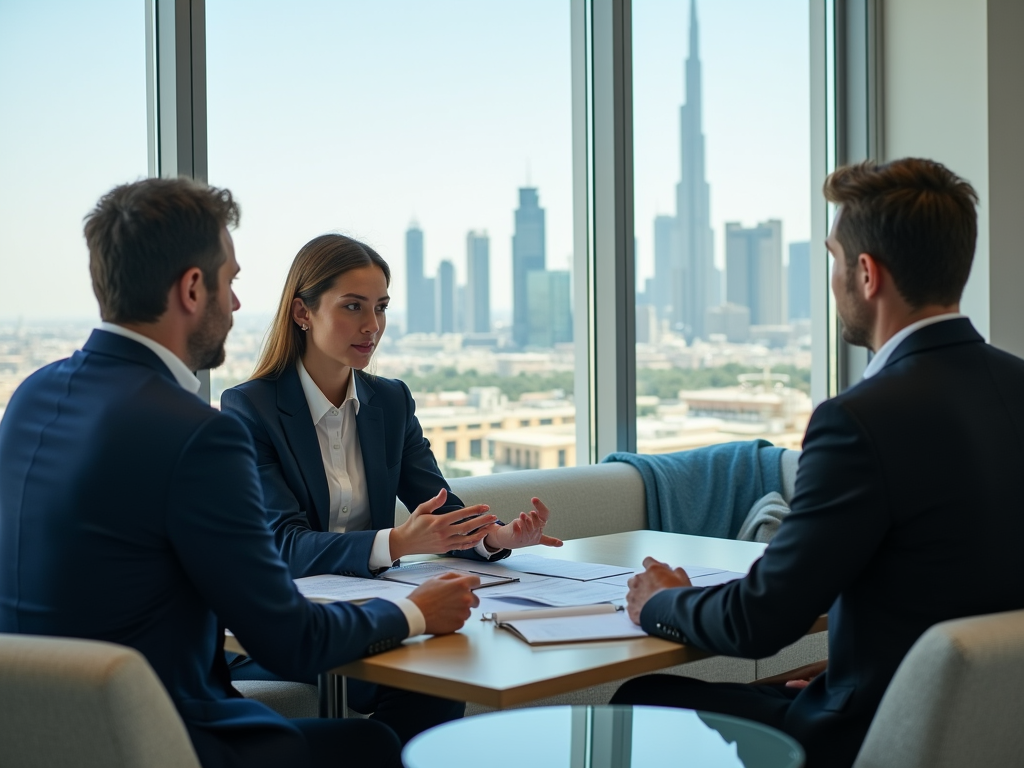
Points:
x=524 y=531
x=425 y=533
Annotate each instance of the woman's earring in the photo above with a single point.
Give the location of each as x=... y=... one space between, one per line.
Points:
x=305 y=327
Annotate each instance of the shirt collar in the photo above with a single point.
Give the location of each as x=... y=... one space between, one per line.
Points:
x=181 y=372
x=882 y=355
x=317 y=401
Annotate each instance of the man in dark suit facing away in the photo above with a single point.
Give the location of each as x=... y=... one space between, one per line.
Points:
x=909 y=501
x=131 y=511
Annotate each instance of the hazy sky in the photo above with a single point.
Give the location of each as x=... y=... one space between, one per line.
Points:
x=362 y=116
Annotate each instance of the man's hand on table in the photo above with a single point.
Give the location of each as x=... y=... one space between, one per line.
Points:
x=523 y=531
x=446 y=601
x=644 y=586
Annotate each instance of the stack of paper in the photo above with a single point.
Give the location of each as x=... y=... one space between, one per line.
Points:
x=562 y=569
x=560 y=592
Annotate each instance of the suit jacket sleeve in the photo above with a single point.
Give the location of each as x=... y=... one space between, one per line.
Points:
x=420 y=479
x=221 y=539
x=839 y=517
x=306 y=551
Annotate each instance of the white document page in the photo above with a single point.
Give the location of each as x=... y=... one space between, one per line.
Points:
x=549 y=566
x=558 y=592
x=329 y=588
x=574 y=629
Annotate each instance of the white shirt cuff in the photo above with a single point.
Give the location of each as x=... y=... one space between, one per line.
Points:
x=413 y=615
x=380 y=552
x=484 y=552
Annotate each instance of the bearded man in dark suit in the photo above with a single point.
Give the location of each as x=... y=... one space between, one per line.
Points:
x=131 y=511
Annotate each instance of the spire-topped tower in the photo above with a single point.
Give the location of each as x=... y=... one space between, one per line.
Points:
x=694 y=52
x=694 y=278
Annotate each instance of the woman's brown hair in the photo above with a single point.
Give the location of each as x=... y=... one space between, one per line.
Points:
x=316 y=267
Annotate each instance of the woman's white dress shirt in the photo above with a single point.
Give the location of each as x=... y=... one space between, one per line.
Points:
x=343 y=464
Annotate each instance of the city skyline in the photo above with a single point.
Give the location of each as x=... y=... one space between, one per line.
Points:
x=443 y=130
x=444 y=171
x=542 y=298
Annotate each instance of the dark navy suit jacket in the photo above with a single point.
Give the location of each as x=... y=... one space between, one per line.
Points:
x=131 y=511
x=908 y=511
x=396 y=457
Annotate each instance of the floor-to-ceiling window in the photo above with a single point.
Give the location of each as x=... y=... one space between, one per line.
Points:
x=73 y=104
x=440 y=134
x=721 y=121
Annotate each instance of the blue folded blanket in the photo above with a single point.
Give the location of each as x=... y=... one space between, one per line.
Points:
x=706 y=491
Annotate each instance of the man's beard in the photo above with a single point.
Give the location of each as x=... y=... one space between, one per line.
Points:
x=206 y=343
x=856 y=328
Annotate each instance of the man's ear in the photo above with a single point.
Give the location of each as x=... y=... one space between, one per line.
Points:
x=191 y=291
x=870 y=275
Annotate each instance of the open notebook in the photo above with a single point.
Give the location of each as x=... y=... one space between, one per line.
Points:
x=573 y=624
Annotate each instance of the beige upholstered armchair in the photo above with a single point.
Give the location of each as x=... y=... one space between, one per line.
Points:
x=85 y=704
x=956 y=700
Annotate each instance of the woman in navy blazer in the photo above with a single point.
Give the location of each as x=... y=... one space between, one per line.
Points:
x=329 y=321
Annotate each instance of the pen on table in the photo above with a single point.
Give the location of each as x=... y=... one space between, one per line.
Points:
x=554 y=613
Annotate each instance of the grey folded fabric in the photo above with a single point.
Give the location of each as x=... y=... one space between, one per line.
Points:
x=764 y=519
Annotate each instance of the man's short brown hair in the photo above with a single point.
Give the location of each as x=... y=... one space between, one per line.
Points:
x=144 y=236
x=916 y=217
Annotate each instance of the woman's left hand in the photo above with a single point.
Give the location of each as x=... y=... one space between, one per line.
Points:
x=524 y=531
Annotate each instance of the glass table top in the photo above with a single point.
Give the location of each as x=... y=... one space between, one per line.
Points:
x=603 y=737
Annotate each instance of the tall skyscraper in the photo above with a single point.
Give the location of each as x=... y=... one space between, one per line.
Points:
x=753 y=268
x=549 y=307
x=695 y=281
x=528 y=255
x=461 y=325
x=429 y=304
x=478 y=283
x=799 y=281
x=419 y=295
x=444 y=309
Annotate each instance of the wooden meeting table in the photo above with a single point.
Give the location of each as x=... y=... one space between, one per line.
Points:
x=486 y=665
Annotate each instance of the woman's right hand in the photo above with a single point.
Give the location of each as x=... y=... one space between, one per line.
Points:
x=425 y=533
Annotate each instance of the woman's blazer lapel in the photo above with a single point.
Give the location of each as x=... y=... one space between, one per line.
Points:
x=373 y=443
x=300 y=432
